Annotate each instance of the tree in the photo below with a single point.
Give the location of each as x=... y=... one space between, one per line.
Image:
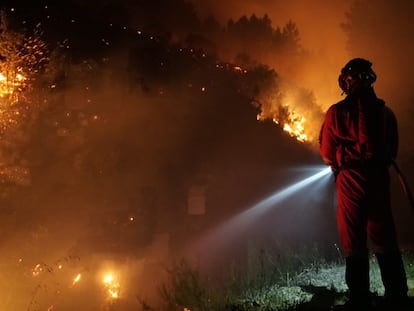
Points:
x=23 y=58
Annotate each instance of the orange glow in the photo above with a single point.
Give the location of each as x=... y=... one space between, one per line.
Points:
x=11 y=89
x=295 y=110
x=295 y=128
x=10 y=85
x=111 y=285
x=37 y=270
x=76 y=279
x=291 y=122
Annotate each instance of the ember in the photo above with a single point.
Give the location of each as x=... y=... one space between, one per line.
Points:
x=112 y=285
x=76 y=279
x=9 y=86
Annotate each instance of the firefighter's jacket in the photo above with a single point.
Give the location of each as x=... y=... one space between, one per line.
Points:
x=359 y=129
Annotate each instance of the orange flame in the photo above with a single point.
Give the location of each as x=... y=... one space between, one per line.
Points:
x=76 y=279
x=295 y=111
x=291 y=122
x=112 y=286
x=10 y=86
x=295 y=126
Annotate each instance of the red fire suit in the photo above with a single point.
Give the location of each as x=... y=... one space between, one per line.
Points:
x=359 y=139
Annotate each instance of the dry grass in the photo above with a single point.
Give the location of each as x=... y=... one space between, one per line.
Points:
x=317 y=285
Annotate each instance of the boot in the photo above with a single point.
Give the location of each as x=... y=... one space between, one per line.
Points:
x=393 y=277
x=357 y=279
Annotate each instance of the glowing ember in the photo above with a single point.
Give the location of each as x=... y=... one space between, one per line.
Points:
x=18 y=175
x=37 y=270
x=112 y=286
x=10 y=90
x=11 y=85
x=76 y=279
x=22 y=58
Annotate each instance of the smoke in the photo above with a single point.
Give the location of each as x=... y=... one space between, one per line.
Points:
x=332 y=32
x=114 y=155
x=319 y=23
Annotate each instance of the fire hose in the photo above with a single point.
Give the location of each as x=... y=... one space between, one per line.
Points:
x=404 y=184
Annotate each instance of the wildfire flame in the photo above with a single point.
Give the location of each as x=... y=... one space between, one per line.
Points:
x=10 y=85
x=112 y=286
x=295 y=127
x=22 y=56
x=292 y=122
x=294 y=110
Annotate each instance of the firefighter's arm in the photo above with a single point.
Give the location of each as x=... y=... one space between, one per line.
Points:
x=328 y=141
x=392 y=134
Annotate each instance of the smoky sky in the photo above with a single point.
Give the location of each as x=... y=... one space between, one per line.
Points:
x=318 y=20
x=320 y=33
x=337 y=31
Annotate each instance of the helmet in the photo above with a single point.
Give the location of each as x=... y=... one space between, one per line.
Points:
x=356 y=75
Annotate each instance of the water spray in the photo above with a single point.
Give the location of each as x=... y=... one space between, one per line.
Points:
x=232 y=227
x=281 y=195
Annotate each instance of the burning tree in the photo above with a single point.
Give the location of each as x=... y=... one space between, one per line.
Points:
x=22 y=58
x=292 y=108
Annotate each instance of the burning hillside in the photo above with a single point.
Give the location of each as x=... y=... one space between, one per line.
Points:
x=100 y=153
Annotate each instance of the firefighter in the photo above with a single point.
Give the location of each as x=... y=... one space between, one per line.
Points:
x=359 y=140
